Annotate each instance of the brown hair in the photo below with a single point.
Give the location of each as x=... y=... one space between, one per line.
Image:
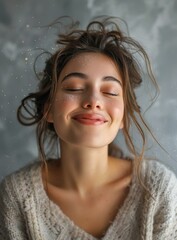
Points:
x=102 y=35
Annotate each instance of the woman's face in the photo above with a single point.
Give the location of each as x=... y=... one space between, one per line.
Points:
x=88 y=107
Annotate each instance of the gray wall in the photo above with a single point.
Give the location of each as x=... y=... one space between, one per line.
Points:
x=152 y=22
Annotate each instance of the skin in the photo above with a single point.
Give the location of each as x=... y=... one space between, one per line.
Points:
x=86 y=177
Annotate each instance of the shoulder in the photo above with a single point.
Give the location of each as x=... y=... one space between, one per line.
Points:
x=19 y=181
x=21 y=173
x=159 y=178
x=155 y=170
x=16 y=192
x=162 y=209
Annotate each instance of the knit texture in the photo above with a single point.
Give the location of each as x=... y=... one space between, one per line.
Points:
x=27 y=213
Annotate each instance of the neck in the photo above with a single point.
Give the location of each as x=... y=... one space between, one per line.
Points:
x=83 y=169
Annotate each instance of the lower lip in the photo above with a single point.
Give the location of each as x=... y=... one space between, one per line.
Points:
x=89 y=121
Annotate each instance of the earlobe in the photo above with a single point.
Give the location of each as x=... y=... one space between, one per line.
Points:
x=49 y=117
x=121 y=125
x=48 y=114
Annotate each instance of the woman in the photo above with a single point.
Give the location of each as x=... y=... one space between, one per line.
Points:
x=86 y=95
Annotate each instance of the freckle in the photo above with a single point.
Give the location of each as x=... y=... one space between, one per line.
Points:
x=66 y=98
x=82 y=59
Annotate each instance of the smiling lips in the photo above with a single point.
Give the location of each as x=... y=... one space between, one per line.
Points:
x=90 y=119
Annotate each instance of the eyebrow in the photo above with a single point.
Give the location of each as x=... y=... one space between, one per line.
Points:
x=84 y=76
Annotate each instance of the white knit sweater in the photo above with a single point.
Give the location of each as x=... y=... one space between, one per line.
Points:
x=27 y=213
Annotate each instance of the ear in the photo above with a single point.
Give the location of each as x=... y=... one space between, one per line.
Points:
x=48 y=113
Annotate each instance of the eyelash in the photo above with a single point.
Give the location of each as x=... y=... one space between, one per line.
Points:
x=80 y=89
x=112 y=94
x=73 y=89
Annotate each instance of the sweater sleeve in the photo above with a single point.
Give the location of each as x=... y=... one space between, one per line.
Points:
x=12 y=225
x=165 y=219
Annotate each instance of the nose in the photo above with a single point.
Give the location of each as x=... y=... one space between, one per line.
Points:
x=92 y=101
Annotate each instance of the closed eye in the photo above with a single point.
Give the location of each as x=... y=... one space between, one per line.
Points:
x=73 y=89
x=111 y=94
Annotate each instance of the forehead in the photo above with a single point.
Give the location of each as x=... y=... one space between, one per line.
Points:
x=91 y=64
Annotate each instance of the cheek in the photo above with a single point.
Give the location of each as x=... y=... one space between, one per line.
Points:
x=117 y=109
x=63 y=104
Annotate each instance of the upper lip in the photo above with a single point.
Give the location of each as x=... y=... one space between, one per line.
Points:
x=90 y=116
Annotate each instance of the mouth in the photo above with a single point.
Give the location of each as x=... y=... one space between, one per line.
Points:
x=90 y=119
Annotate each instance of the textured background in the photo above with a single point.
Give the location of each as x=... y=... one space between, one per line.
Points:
x=153 y=23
